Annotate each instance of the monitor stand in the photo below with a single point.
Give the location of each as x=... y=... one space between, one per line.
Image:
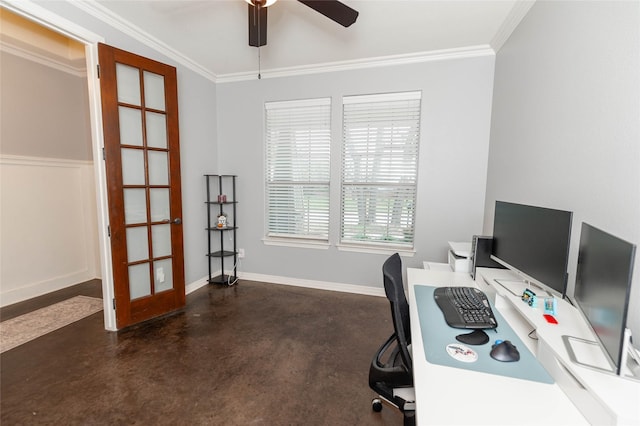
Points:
x=591 y=355
x=630 y=361
x=587 y=353
x=503 y=284
x=532 y=284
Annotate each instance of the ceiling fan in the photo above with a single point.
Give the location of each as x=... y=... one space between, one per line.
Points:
x=332 y=9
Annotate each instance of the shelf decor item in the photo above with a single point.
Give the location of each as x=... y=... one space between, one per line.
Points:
x=222 y=220
x=221 y=228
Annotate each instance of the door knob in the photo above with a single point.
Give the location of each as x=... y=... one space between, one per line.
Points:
x=177 y=221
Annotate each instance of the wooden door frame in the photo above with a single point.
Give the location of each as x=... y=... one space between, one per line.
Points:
x=90 y=40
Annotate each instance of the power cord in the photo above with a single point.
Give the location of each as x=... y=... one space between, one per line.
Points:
x=229 y=283
x=236 y=263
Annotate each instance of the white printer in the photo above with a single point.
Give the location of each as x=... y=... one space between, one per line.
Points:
x=460 y=256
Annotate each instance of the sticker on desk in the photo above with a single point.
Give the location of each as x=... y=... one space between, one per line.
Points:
x=461 y=352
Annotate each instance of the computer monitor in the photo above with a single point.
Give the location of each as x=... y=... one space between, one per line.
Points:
x=603 y=285
x=534 y=242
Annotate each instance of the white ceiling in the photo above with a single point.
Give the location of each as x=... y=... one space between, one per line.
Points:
x=213 y=34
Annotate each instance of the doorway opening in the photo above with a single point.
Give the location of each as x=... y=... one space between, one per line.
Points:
x=79 y=166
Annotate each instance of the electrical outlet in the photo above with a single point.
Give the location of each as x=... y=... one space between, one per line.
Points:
x=241 y=253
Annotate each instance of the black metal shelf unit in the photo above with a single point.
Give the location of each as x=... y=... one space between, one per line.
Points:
x=221 y=196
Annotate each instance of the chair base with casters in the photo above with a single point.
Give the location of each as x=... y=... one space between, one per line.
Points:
x=392 y=382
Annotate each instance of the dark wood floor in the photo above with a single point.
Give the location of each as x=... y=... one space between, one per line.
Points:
x=254 y=353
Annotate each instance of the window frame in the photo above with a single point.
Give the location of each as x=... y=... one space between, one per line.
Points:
x=319 y=110
x=346 y=235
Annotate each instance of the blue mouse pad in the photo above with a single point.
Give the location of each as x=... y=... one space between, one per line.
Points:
x=436 y=335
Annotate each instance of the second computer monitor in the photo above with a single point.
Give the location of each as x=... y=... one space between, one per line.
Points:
x=534 y=242
x=603 y=285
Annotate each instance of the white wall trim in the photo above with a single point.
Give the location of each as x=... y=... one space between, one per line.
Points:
x=384 y=61
x=49 y=285
x=50 y=20
x=42 y=59
x=517 y=13
x=318 y=285
x=96 y=10
x=296 y=282
x=105 y=15
x=22 y=160
x=191 y=287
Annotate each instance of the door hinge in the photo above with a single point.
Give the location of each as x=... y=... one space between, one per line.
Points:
x=104 y=155
x=114 y=303
x=98 y=67
x=108 y=230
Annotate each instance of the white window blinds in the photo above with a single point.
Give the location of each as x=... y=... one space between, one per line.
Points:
x=298 y=137
x=380 y=168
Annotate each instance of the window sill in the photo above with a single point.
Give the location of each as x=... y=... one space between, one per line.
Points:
x=389 y=250
x=292 y=242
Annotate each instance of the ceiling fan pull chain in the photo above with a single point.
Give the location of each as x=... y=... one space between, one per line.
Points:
x=258 y=6
x=259 y=68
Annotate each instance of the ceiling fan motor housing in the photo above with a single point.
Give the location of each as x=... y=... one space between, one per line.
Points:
x=332 y=9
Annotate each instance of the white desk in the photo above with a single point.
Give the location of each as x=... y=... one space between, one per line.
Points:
x=446 y=395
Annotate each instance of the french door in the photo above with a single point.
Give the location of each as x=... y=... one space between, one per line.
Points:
x=142 y=159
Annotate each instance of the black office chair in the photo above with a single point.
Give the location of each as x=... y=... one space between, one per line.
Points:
x=391 y=371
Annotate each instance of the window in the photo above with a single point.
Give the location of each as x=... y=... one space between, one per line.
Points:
x=298 y=137
x=380 y=168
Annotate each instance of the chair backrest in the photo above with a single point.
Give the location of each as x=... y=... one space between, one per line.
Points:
x=394 y=289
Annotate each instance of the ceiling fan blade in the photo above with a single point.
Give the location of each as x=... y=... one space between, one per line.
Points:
x=257 y=25
x=334 y=10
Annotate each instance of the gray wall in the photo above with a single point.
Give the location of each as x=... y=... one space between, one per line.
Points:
x=456 y=101
x=45 y=112
x=565 y=130
x=198 y=150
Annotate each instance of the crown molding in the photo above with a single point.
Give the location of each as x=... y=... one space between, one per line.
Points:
x=47 y=61
x=383 y=61
x=98 y=11
x=515 y=16
x=108 y=17
x=48 y=19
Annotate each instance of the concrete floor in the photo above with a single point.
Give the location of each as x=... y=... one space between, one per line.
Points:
x=254 y=353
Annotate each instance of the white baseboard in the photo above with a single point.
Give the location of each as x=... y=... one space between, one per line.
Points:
x=297 y=282
x=190 y=288
x=32 y=290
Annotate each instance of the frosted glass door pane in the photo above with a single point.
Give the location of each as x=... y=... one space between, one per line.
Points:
x=132 y=167
x=159 y=199
x=137 y=244
x=130 y=126
x=135 y=206
x=161 y=240
x=158 y=168
x=139 y=281
x=163 y=275
x=156 y=130
x=128 y=81
x=153 y=90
